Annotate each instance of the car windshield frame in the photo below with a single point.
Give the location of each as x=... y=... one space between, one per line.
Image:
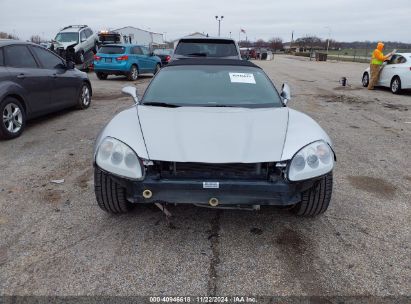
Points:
x=274 y=100
x=67 y=34
x=112 y=47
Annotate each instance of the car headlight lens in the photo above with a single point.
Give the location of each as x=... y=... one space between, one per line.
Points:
x=313 y=160
x=118 y=158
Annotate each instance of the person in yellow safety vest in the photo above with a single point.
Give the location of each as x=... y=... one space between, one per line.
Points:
x=377 y=59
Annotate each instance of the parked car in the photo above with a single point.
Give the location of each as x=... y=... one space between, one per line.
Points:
x=78 y=39
x=213 y=133
x=125 y=59
x=395 y=73
x=164 y=55
x=35 y=81
x=206 y=47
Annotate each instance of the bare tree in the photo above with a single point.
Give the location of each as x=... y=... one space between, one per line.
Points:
x=4 y=35
x=36 y=39
x=275 y=43
x=260 y=43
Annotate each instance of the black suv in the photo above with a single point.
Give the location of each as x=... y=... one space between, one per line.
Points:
x=222 y=48
x=34 y=81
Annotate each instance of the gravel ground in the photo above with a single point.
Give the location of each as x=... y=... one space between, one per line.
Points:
x=56 y=241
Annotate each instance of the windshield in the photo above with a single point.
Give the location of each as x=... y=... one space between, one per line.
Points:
x=206 y=48
x=112 y=50
x=212 y=86
x=67 y=37
x=163 y=52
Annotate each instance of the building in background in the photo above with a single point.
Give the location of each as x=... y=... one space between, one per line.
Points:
x=142 y=37
x=193 y=35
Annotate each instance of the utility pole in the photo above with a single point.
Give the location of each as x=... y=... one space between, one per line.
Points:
x=329 y=37
x=219 y=24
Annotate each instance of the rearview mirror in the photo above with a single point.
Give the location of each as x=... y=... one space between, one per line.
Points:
x=285 y=93
x=132 y=91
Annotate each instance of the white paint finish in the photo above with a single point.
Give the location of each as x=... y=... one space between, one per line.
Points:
x=403 y=70
x=214 y=135
x=126 y=128
x=302 y=130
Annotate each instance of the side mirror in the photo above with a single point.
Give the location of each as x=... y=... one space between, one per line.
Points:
x=70 y=65
x=285 y=93
x=132 y=91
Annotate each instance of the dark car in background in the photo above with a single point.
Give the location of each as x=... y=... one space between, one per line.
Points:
x=35 y=81
x=164 y=55
x=206 y=47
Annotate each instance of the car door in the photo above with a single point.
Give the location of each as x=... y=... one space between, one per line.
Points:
x=83 y=41
x=24 y=71
x=388 y=71
x=149 y=61
x=137 y=56
x=65 y=84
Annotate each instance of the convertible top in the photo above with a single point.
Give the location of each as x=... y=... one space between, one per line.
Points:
x=202 y=61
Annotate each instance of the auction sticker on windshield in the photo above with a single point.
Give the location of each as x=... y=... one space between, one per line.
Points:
x=242 y=78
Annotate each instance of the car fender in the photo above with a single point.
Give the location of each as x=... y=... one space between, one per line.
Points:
x=8 y=88
x=125 y=126
x=301 y=131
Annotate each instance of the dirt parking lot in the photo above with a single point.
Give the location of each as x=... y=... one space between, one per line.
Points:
x=56 y=241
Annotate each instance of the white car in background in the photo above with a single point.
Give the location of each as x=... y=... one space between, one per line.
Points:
x=395 y=74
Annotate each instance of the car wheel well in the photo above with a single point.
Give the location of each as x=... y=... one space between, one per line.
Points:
x=136 y=65
x=19 y=98
x=395 y=76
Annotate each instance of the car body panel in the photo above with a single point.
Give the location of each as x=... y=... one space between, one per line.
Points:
x=390 y=70
x=125 y=126
x=302 y=130
x=213 y=135
x=145 y=63
x=40 y=89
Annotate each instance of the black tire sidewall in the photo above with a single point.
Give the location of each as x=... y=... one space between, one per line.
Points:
x=80 y=103
x=101 y=76
x=399 y=85
x=4 y=133
x=368 y=80
x=130 y=74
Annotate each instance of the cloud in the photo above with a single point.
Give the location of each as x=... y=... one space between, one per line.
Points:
x=349 y=20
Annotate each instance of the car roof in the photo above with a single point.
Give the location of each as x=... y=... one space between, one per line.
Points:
x=4 y=42
x=73 y=28
x=232 y=62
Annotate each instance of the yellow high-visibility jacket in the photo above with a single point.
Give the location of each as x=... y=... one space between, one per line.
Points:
x=378 y=56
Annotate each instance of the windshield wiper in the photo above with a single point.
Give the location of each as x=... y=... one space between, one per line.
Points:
x=160 y=104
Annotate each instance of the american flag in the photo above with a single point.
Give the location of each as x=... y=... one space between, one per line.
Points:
x=243 y=31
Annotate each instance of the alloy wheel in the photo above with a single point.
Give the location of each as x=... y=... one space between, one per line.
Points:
x=365 y=80
x=134 y=73
x=12 y=118
x=85 y=95
x=395 y=85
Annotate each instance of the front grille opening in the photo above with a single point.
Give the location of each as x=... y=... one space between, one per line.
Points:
x=221 y=171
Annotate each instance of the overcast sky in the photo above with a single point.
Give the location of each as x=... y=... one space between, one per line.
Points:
x=345 y=20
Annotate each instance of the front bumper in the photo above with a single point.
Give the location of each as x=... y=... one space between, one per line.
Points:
x=230 y=192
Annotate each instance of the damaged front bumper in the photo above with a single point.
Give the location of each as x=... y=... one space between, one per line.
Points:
x=214 y=192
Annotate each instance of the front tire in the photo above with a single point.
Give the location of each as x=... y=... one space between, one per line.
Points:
x=316 y=200
x=365 y=80
x=84 y=98
x=13 y=118
x=396 y=85
x=111 y=197
x=133 y=74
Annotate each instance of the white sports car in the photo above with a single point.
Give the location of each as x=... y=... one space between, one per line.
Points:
x=214 y=133
x=395 y=73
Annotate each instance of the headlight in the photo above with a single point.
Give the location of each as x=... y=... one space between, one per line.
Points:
x=313 y=160
x=118 y=158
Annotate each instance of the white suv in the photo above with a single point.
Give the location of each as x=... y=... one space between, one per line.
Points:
x=80 y=37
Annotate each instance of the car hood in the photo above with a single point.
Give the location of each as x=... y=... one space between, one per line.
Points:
x=213 y=135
